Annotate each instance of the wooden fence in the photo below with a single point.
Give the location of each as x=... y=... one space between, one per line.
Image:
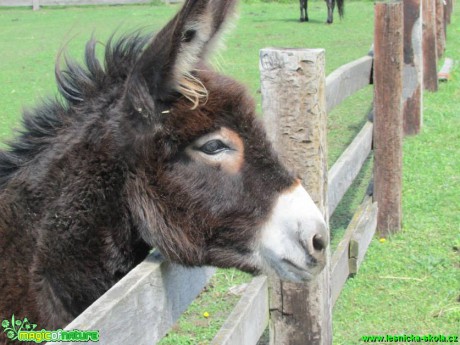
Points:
x=142 y=307
x=36 y=4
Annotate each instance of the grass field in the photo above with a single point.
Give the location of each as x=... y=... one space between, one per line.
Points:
x=410 y=283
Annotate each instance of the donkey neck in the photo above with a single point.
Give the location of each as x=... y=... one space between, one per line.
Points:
x=77 y=220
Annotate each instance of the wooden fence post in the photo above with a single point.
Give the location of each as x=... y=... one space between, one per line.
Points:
x=430 y=56
x=35 y=5
x=412 y=72
x=388 y=120
x=294 y=108
x=440 y=28
x=448 y=12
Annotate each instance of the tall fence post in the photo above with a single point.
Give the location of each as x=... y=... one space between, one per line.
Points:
x=430 y=56
x=388 y=120
x=294 y=108
x=448 y=12
x=440 y=28
x=412 y=82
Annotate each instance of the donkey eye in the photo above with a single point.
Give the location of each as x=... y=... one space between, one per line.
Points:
x=213 y=147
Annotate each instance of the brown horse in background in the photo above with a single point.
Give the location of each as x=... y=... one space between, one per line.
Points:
x=330 y=10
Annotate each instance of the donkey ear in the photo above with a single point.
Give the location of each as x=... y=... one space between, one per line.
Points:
x=165 y=68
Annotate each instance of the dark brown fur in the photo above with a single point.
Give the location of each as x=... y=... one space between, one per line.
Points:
x=94 y=181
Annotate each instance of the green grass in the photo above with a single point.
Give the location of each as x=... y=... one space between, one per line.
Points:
x=30 y=42
x=407 y=284
x=194 y=327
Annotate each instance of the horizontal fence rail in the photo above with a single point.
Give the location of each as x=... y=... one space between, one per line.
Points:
x=37 y=3
x=68 y=2
x=347 y=167
x=350 y=251
x=249 y=318
x=150 y=298
x=346 y=80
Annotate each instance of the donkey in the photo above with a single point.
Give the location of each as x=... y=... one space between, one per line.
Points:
x=330 y=10
x=149 y=148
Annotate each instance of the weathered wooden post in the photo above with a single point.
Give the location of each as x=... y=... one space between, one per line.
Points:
x=294 y=108
x=412 y=72
x=35 y=5
x=448 y=11
x=388 y=120
x=440 y=28
x=430 y=58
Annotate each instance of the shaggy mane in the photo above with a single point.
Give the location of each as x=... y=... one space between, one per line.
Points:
x=76 y=83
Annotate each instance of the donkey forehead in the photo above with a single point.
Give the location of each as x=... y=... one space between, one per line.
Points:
x=228 y=104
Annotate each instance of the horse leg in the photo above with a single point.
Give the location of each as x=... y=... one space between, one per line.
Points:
x=306 y=10
x=303 y=11
x=330 y=10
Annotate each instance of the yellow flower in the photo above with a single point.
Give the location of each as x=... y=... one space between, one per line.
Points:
x=382 y=240
x=206 y=314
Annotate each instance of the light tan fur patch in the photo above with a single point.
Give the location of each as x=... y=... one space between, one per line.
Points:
x=230 y=161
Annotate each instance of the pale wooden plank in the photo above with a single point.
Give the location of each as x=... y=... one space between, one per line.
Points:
x=90 y=2
x=351 y=250
x=444 y=73
x=346 y=80
x=70 y=2
x=16 y=3
x=340 y=259
x=339 y=268
x=347 y=167
x=141 y=307
x=363 y=234
x=249 y=318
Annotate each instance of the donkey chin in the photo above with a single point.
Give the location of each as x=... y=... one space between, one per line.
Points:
x=294 y=239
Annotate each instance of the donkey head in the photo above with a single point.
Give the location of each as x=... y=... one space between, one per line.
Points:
x=206 y=187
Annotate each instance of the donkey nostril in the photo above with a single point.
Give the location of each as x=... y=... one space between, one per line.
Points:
x=319 y=242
